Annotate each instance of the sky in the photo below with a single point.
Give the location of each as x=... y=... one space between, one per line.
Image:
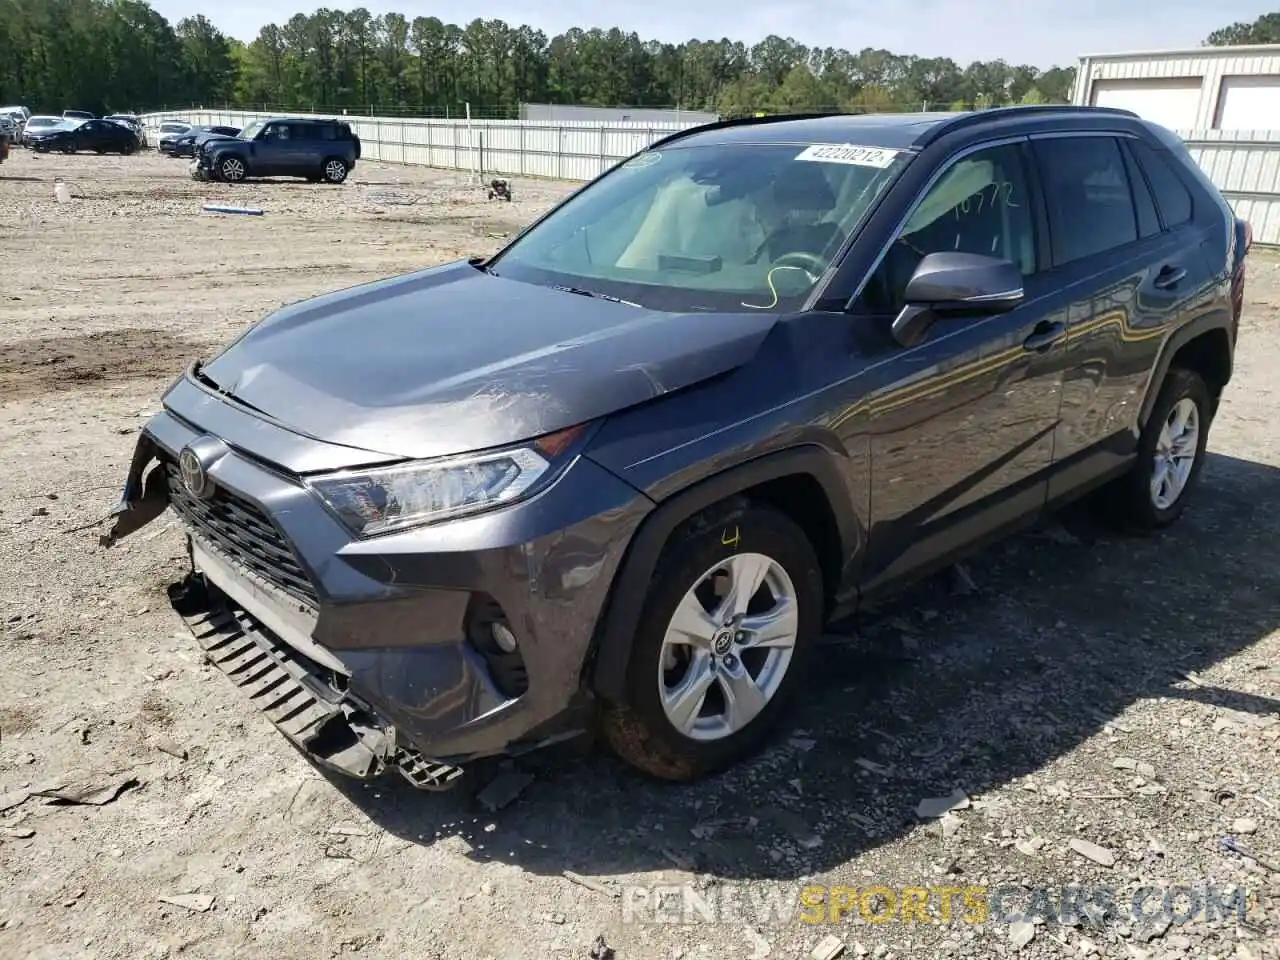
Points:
x=1042 y=33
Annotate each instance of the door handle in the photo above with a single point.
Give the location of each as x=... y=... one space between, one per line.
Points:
x=1169 y=277
x=1044 y=336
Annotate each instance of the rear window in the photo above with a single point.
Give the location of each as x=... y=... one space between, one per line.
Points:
x=174 y=128
x=1086 y=186
x=1172 y=196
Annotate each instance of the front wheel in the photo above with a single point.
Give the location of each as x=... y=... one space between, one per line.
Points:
x=720 y=645
x=1170 y=454
x=335 y=170
x=232 y=169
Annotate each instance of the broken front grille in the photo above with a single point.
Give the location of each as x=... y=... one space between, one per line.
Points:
x=241 y=532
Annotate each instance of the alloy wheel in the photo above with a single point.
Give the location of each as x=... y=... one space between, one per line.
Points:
x=1175 y=454
x=728 y=647
x=232 y=170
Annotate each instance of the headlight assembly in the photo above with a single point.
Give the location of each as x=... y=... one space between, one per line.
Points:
x=385 y=499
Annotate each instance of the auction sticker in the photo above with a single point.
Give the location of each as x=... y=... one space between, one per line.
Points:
x=646 y=159
x=848 y=153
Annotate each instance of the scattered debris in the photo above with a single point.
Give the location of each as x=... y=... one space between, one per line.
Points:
x=872 y=767
x=195 y=902
x=961 y=582
x=75 y=897
x=1244 y=826
x=1029 y=848
x=17 y=833
x=503 y=789
x=1236 y=847
x=600 y=949
x=1152 y=928
x=828 y=948
x=500 y=189
x=89 y=793
x=172 y=749
x=591 y=884
x=223 y=208
x=1021 y=933
x=931 y=808
x=1091 y=851
x=803 y=744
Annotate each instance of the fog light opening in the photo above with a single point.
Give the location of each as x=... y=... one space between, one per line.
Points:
x=503 y=637
x=490 y=634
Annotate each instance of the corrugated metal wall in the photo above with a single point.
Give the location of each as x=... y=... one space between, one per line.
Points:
x=563 y=150
x=1244 y=164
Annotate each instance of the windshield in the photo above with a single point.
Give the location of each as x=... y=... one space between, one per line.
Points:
x=724 y=227
x=174 y=127
x=45 y=122
x=251 y=130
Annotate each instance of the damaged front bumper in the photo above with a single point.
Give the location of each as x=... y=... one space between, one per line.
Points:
x=390 y=638
x=331 y=727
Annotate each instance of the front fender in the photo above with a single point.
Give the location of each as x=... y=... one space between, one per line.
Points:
x=616 y=629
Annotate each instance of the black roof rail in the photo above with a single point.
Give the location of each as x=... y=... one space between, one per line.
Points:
x=974 y=118
x=740 y=122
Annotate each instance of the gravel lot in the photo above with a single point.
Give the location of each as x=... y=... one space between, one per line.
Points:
x=1091 y=688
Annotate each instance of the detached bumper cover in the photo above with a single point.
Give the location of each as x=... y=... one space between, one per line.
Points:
x=332 y=728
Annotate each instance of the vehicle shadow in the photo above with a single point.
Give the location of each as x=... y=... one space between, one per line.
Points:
x=1064 y=632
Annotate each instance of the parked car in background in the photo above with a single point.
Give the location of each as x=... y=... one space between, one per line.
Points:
x=133 y=123
x=5 y=144
x=184 y=145
x=760 y=374
x=281 y=147
x=9 y=128
x=40 y=125
x=26 y=114
x=169 y=133
x=100 y=136
x=78 y=115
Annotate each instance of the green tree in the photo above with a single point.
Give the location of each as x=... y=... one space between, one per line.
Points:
x=1266 y=29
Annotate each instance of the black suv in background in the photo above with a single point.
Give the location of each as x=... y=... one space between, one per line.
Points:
x=624 y=470
x=280 y=147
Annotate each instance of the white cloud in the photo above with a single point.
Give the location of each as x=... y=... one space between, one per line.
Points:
x=1042 y=33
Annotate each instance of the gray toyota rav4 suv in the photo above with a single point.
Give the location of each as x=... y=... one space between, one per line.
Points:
x=617 y=476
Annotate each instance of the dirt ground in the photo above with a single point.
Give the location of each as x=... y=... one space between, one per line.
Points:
x=1091 y=688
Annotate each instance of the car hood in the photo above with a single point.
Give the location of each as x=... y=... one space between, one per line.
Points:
x=453 y=359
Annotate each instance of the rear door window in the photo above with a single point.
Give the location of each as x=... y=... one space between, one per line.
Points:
x=1086 y=187
x=1172 y=196
x=1143 y=204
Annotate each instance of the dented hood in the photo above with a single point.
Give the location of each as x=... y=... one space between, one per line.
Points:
x=453 y=359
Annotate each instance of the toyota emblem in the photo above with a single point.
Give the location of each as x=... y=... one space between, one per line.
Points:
x=194 y=477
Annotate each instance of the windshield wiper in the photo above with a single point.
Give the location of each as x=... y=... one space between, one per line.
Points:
x=596 y=295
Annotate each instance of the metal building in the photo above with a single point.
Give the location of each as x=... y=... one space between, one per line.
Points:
x=568 y=113
x=1205 y=88
x=1223 y=101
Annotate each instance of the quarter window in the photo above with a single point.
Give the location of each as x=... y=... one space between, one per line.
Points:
x=1172 y=196
x=1087 y=192
x=979 y=205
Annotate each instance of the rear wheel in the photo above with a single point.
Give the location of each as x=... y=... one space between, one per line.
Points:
x=335 y=170
x=1170 y=454
x=232 y=169
x=720 y=645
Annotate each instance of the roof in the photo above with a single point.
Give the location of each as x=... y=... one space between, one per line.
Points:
x=1246 y=49
x=896 y=131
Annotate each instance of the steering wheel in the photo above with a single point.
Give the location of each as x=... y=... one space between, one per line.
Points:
x=813 y=265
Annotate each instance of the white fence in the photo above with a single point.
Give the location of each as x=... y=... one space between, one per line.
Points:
x=564 y=150
x=1245 y=165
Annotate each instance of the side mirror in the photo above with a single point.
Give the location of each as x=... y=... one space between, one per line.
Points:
x=950 y=283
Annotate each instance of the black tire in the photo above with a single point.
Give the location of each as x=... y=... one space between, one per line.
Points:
x=638 y=729
x=1128 y=501
x=334 y=170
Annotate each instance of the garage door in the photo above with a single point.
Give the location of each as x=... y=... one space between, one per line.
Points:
x=1249 y=103
x=1171 y=103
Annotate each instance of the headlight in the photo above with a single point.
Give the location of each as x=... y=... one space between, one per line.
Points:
x=385 y=499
